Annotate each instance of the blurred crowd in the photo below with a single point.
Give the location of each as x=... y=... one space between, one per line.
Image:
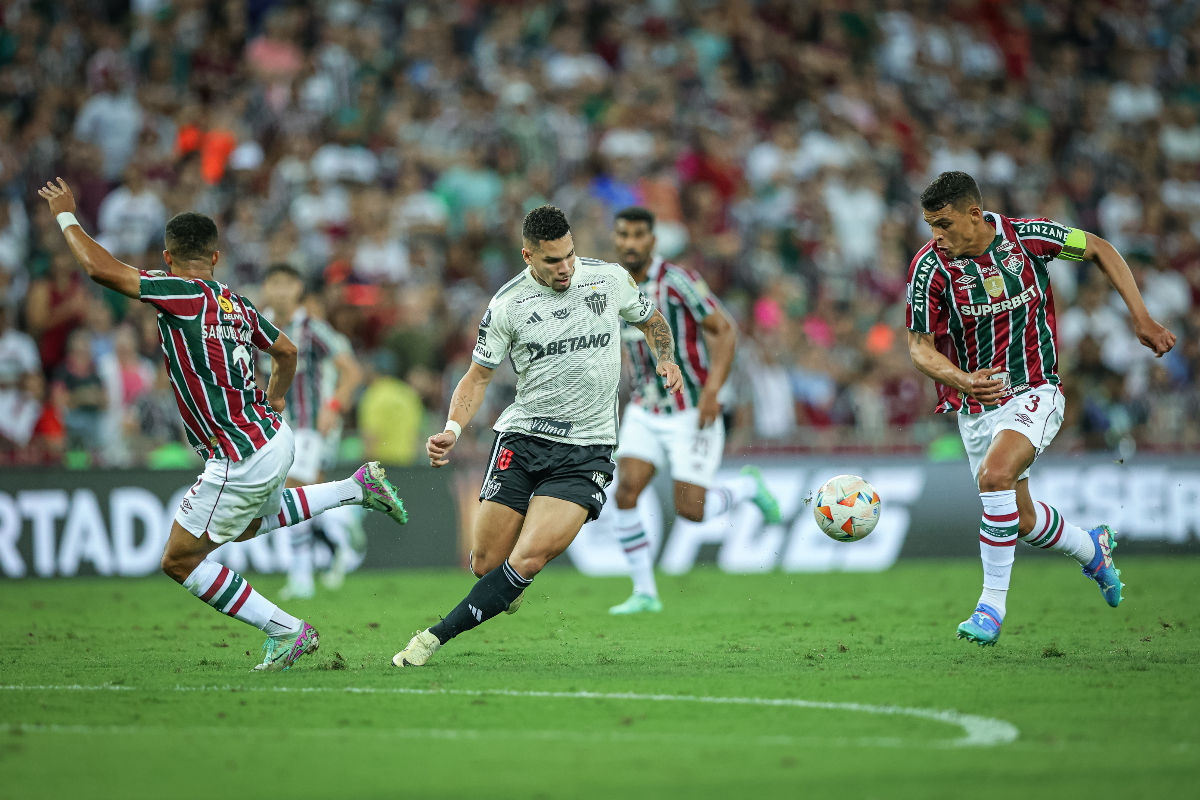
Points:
x=388 y=150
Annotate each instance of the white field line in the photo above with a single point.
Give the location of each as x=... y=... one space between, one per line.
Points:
x=979 y=731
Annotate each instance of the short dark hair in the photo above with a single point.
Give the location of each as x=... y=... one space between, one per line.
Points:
x=950 y=189
x=284 y=268
x=545 y=224
x=636 y=214
x=191 y=236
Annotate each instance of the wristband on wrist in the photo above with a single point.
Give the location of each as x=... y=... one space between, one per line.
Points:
x=65 y=220
x=454 y=428
x=335 y=405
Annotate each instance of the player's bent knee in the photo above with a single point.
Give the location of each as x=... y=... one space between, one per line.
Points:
x=528 y=566
x=627 y=495
x=992 y=479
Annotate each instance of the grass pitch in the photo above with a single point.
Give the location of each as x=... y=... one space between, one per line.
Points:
x=1106 y=701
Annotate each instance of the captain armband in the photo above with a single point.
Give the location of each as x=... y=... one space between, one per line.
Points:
x=1074 y=246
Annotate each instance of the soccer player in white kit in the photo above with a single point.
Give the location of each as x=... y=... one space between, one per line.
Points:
x=559 y=322
x=683 y=432
x=207 y=332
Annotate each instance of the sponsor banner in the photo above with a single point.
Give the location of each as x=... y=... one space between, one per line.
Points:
x=929 y=510
x=66 y=523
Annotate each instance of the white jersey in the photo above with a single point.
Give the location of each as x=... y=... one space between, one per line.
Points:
x=566 y=349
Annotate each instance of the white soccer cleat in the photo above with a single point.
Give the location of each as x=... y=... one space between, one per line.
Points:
x=515 y=604
x=418 y=650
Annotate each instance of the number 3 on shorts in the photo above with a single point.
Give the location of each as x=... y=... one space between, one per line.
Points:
x=1035 y=399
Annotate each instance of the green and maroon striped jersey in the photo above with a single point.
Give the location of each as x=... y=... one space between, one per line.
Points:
x=994 y=310
x=317 y=344
x=207 y=333
x=684 y=300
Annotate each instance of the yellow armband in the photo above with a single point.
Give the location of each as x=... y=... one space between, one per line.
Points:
x=1074 y=246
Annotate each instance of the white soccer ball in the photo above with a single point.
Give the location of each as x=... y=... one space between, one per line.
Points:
x=846 y=508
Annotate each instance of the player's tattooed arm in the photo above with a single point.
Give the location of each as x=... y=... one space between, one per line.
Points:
x=658 y=334
x=1109 y=261
x=928 y=359
x=467 y=399
x=99 y=264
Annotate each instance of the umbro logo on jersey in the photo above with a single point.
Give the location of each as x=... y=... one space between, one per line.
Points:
x=966 y=281
x=562 y=313
x=533 y=318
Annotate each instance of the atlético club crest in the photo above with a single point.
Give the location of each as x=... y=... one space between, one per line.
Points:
x=1014 y=263
x=596 y=302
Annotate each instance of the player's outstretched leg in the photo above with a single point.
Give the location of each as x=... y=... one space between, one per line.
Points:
x=725 y=497
x=368 y=487
x=1092 y=549
x=288 y=638
x=997 y=537
x=491 y=594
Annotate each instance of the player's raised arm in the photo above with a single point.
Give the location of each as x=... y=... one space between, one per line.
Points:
x=99 y=264
x=467 y=399
x=658 y=334
x=283 y=370
x=1110 y=262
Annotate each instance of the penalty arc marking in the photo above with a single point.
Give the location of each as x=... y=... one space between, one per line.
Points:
x=978 y=731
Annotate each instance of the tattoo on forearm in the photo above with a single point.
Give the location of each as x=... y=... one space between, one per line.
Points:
x=664 y=345
x=463 y=404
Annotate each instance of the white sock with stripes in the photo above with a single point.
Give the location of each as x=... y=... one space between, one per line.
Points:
x=1051 y=531
x=727 y=496
x=305 y=502
x=632 y=536
x=300 y=573
x=230 y=593
x=997 y=537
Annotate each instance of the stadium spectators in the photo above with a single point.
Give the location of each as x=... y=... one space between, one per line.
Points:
x=389 y=150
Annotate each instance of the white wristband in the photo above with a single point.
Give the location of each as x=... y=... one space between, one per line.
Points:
x=454 y=428
x=66 y=219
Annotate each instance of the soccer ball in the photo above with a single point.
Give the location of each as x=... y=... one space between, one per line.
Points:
x=846 y=508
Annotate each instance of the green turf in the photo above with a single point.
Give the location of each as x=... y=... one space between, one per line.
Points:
x=1107 y=701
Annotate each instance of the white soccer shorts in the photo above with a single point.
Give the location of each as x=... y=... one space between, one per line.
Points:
x=674 y=442
x=1036 y=414
x=229 y=495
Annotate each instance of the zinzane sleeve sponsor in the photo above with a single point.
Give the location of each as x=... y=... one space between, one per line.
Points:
x=1048 y=239
x=173 y=296
x=926 y=284
x=636 y=308
x=495 y=336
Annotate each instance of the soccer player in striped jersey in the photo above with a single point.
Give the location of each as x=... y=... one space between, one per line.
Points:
x=207 y=333
x=327 y=376
x=981 y=324
x=684 y=432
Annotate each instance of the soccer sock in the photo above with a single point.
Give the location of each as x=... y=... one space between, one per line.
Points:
x=300 y=573
x=1052 y=532
x=305 y=502
x=725 y=497
x=230 y=593
x=490 y=595
x=997 y=537
x=632 y=536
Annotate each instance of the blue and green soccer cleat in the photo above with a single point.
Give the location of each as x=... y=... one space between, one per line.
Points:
x=983 y=628
x=280 y=652
x=1101 y=569
x=763 y=498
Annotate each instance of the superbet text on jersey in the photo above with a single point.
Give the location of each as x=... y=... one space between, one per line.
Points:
x=566 y=349
x=996 y=309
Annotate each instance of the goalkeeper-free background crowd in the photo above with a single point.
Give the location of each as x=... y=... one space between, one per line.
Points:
x=389 y=150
